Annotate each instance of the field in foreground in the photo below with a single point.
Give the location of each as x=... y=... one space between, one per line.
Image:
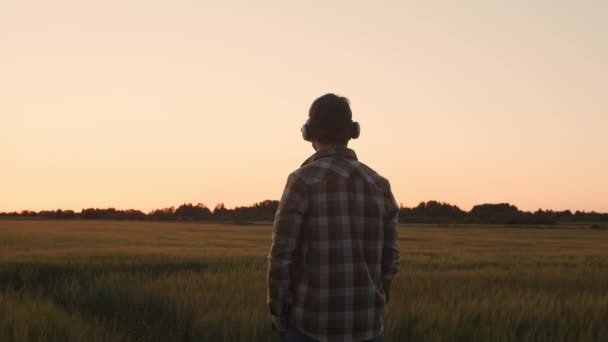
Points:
x=150 y=281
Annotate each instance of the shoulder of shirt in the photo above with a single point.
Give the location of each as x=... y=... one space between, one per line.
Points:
x=318 y=170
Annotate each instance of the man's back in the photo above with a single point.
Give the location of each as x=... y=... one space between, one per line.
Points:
x=334 y=248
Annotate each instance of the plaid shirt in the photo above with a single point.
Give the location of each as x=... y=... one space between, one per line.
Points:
x=334 y=248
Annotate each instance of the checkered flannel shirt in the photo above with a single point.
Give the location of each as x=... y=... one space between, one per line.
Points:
x=334 y=248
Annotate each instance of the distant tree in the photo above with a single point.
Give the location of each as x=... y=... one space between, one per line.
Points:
x=68 y=214
x=187 y=211
x=162 y=214
x=494 y=213
x=132 y=214
x=431 y=212
x=261 y=211
x=28 y=213
x=220 y=212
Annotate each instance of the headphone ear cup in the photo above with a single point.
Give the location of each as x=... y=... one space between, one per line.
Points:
x=356 y=130
x=305 y=131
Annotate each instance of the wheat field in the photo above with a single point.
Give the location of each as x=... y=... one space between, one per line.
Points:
x=153 y=281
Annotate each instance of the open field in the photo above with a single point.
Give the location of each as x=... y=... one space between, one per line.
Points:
x=151 y=281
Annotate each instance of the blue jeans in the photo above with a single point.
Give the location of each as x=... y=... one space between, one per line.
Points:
x=294 y=335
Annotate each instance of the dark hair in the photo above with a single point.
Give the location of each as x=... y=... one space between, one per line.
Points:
x=330 y=118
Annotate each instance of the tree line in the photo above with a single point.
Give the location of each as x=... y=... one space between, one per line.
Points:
x=425 y=212
x=260 y=211
x=501 y=213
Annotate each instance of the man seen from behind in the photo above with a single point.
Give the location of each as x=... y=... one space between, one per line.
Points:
x=334 y=246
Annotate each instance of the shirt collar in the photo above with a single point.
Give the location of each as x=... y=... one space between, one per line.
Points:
x=340 y=152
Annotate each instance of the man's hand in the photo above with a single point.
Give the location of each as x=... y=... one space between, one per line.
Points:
x=280 y=324
x=387 y=290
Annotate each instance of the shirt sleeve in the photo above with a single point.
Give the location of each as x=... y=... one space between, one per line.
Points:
x=285 y=239
x=390 y=249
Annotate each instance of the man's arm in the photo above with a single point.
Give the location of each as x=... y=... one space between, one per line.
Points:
x=390 y=248
x=285 y=240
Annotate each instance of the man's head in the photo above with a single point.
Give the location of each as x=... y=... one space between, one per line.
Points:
x=330 y=121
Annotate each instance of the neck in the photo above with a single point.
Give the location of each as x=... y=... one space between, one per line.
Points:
x=320 y=146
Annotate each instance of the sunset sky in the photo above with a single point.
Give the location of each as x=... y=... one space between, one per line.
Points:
x=150 y=104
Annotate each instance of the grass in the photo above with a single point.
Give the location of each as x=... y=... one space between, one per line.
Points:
x=151 y=281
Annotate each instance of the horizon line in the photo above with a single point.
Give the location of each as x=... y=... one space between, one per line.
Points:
x=202 y=204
